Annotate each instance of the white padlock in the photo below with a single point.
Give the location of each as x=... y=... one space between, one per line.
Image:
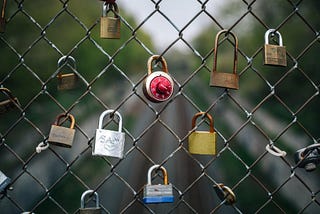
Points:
x=109 y=142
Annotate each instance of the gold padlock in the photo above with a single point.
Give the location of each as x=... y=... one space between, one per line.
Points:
x=67 y=81
x=62 y=136
x=202 y=142
x=7 y=104
x=220 y=79
x=110 y=26
x=3 y=17
x=274 y=54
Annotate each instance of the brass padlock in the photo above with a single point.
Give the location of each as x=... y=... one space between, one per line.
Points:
x=202 y=142
x=62 y=136
x=90 y=210
x=158 y=85
x=67 y=81
x=274 y=54
x=160 y=193
x=225 y=193
x=7 y=104
x=3 y=17
x=110 y=26
x=220 y=79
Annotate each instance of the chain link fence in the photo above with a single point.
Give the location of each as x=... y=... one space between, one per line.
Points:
x=275 y=107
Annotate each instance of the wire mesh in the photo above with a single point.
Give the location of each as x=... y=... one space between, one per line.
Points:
x=275 y=107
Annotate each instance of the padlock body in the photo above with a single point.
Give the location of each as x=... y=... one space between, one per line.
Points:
x=275 y=55
x=224 y=80
x=202 y=143
x=67 y=81
x=158 y=194
x=109 y=27
x=61 y=136
x=7 y=105
x=2 y=25
x=109 y=143
x=89 y=210
x=4 y=182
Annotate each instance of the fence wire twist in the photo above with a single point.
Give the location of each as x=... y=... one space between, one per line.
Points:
x=53 y=180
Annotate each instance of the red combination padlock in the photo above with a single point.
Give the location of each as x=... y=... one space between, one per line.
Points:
x=158 y=85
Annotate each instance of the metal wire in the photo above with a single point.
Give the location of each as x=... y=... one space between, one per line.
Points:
x=52 y=181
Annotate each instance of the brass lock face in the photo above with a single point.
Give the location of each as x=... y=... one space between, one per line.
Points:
x=158 y=85
x=221 y=79
x=8 y=104
x=70 y=80
x=202 y=142
x=110 y=26
x=62 y=136
x=274 y=54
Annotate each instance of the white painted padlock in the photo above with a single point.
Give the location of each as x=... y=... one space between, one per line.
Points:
x=108 y=142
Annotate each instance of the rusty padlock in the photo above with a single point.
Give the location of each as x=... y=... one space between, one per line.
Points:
x=90 y=210
x=274 y=54
x=110 y=26
x=158 y=85
x=220 y=79
x=62 y=136
x=3 y=17
x=202 y=142
x=70 y=80
x=7 y=104
x=159 y=193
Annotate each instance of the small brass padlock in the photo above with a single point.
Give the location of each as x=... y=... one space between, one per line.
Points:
x=158 y=85
x=3 y=17
x=225 y=193
x=12 y=102
x=109 y=142
x=220 y=79
x=67 y=81
x=160 y=193
x=274 y=54
x=110 y=26
x=62 y=136
x=90 y=210
x=202 y=142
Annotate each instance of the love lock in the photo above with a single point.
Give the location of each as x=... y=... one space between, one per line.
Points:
x=90 y=210
x=69 y=80
x=158 y=85
x=225 y=193
x=308 y=158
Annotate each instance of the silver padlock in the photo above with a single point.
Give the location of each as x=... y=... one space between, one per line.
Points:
x=90 y=210
x=108 y=142
x=4 y=182
x=160 y=193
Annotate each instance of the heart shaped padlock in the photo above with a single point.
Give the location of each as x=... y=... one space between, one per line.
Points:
x=158 y=85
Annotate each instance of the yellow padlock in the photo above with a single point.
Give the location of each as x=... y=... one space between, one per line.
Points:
x=202 y=142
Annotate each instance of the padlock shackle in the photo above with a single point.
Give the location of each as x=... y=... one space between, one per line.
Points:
x=159 y=58
x=110 y=7
x=62 y=60
x=207 y=115
x=87 y=193
x=266 y=36
x=70 y=117
x=8 y=93
x=215 y=54
x=110 y=111
x=164 y=173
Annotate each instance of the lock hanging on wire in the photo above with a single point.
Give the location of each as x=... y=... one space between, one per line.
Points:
x=225 y=193
x=109 y=142
x=202 y=142
x=62 y=136
x=160 y=193
x=89 y=210
x=222 y=79
x=274 y=54
x=158 y=85
x=10 y=103
x=110 y=26
x=308 y=158
x=70 y=80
